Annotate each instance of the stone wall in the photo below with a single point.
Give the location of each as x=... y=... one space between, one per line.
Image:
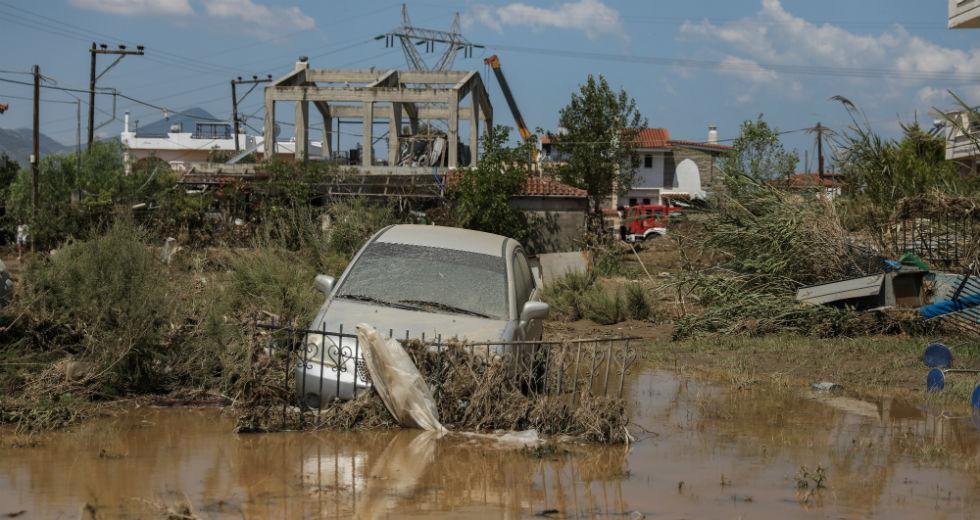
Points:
x=707 y=165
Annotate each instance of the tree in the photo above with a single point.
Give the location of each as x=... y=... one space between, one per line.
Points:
x=482 y=194
x=758 y=154
x=600 y=142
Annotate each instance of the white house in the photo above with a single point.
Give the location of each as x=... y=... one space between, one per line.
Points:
x=964 y=14
x=960 y=146
x=672 y=168
x=180 y=147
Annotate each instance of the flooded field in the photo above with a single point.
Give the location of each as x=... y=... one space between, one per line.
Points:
x=702 y=452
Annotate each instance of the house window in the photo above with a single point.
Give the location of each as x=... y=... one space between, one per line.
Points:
x=632 y=202
x=646 y=201
x=648 y=161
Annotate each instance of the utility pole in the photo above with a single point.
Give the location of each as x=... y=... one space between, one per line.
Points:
x=36 y=155
x=102 y=48
x=235 y=100
x=820 y=150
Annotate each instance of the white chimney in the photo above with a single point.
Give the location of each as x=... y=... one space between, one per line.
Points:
x=126 y=122
x=712 y=134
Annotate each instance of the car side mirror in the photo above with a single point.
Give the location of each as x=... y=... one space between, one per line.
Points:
x=324 y=283
x=535 y=311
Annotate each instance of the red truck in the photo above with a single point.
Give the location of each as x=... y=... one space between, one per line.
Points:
x=645 y=221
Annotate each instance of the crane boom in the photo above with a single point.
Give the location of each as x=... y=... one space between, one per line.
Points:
x=494 y=63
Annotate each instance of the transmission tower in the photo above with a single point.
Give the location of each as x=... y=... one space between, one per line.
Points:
x=411 y=38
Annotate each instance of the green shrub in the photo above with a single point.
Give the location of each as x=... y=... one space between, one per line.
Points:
x=105 y=301
x=564 y=294
x=637 y=303
x=603 y=306
x=275 y=281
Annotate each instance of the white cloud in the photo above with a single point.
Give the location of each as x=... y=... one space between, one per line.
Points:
x=137 y=7
x=592 y=17
x=256 y=18
x=747 y=70
x=259 y=19
x=774 y=36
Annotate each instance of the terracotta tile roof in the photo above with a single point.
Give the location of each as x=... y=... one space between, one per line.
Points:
x=546 y=186
x=653 y=138
x=549 y=187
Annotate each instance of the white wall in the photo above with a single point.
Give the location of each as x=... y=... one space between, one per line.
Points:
x=652 y=177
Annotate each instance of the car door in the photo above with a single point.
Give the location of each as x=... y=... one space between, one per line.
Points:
x=525 y=290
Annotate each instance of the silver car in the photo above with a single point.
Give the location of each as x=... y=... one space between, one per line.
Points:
x=415 y=281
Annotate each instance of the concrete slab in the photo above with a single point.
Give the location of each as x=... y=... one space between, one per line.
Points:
x=556 y=265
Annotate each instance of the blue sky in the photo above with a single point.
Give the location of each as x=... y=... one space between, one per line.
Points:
x=687 y=63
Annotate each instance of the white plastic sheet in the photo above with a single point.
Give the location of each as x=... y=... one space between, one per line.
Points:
x=398 y=381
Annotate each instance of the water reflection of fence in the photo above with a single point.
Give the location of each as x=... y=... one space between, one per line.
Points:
x=321 y=366
x=378 y=474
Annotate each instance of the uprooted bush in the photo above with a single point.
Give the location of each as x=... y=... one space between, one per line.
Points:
x=472 y=394
x=735 y=305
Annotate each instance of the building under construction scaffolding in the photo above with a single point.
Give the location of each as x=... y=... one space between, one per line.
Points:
x=392 y=95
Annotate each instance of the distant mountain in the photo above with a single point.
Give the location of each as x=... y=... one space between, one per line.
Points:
x=186 y=120
x=19 y=142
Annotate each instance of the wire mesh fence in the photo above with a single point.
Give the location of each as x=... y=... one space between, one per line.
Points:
x=325 y=368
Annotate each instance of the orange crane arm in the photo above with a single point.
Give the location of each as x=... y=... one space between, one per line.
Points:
x=494 y=63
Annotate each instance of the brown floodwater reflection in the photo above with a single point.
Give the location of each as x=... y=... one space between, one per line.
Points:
x=702 y=452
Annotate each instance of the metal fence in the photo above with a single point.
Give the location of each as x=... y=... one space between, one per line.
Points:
x=322 y=368
x=945 y=240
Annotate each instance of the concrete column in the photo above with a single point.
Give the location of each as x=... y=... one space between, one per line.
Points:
x=326 y=148
x=394 y=129
x=367 y=141
x=302 y=133
x=452 y=136
x=475 y=128
x=268 y=130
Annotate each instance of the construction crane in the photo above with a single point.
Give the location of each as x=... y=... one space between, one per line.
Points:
x=494 y=63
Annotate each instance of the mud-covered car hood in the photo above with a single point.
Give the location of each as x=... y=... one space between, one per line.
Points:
x=350 y=313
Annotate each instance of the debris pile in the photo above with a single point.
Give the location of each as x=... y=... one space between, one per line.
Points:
x=471 y=393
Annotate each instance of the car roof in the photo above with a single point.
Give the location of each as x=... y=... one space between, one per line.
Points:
x=443 y=237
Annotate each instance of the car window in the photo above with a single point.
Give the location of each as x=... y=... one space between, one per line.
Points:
x=523 y=283
x=435 y=279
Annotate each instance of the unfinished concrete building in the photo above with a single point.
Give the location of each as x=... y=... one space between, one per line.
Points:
x=421 y=97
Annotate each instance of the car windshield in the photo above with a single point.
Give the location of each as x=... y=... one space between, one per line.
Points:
x=430 y=279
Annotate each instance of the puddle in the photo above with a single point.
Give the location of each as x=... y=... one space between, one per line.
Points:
x=710 y=454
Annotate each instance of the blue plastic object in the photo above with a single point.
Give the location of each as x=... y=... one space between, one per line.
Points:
x=937 y=355
x=936 y=380
x=975 y=398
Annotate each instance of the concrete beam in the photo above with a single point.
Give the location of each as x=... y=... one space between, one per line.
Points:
x=420 y=95
x=432 y=77
x=343 y=75
x=388 y=79
x=428 y=112
x=474 y=118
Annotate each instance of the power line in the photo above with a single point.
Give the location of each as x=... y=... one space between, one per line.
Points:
x=720 y=65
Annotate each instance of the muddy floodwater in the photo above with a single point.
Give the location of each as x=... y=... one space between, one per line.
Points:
x=702 y=451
